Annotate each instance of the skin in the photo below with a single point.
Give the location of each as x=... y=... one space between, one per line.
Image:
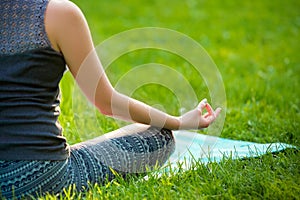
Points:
x=69 y=34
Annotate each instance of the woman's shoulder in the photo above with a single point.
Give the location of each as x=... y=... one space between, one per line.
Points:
x=60 y=16
x=63 y=8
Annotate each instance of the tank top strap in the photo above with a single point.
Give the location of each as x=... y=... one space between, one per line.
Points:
x=22 y=26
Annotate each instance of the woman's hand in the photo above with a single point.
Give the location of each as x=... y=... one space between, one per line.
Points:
x=197 y=118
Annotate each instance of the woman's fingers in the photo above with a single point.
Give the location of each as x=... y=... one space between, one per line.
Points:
x=202 y=105
x=209 y=109
x=217 y=112
x=207 y=118
x=211 y=114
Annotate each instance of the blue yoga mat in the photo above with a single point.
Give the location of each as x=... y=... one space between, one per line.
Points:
x=192 y=146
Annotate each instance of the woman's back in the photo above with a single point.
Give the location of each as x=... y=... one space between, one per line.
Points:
x=30 y=71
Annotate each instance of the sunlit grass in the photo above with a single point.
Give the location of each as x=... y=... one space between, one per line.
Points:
x=255 y=45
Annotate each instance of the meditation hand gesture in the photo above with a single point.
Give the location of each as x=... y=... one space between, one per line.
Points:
x=197 y=119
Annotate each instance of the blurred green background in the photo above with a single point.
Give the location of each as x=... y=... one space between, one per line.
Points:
x=255 y=45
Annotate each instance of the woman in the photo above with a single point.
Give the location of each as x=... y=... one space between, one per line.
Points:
x=38 y=39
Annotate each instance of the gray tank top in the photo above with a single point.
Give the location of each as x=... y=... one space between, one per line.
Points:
x=30 y=72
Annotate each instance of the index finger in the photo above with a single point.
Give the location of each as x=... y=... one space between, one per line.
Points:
x=209 y=109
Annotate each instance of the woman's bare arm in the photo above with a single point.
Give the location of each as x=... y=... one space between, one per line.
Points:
x=69 y=33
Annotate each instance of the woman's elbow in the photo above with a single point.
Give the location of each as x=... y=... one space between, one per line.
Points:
x=105 y=108
x=110 y=103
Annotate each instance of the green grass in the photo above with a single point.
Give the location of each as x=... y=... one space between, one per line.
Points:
x=269 y=177
x=255 y=45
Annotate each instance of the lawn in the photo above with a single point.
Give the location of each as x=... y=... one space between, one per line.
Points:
x=254 y=44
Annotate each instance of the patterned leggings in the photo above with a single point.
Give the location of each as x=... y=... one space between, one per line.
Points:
x=126 y=151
